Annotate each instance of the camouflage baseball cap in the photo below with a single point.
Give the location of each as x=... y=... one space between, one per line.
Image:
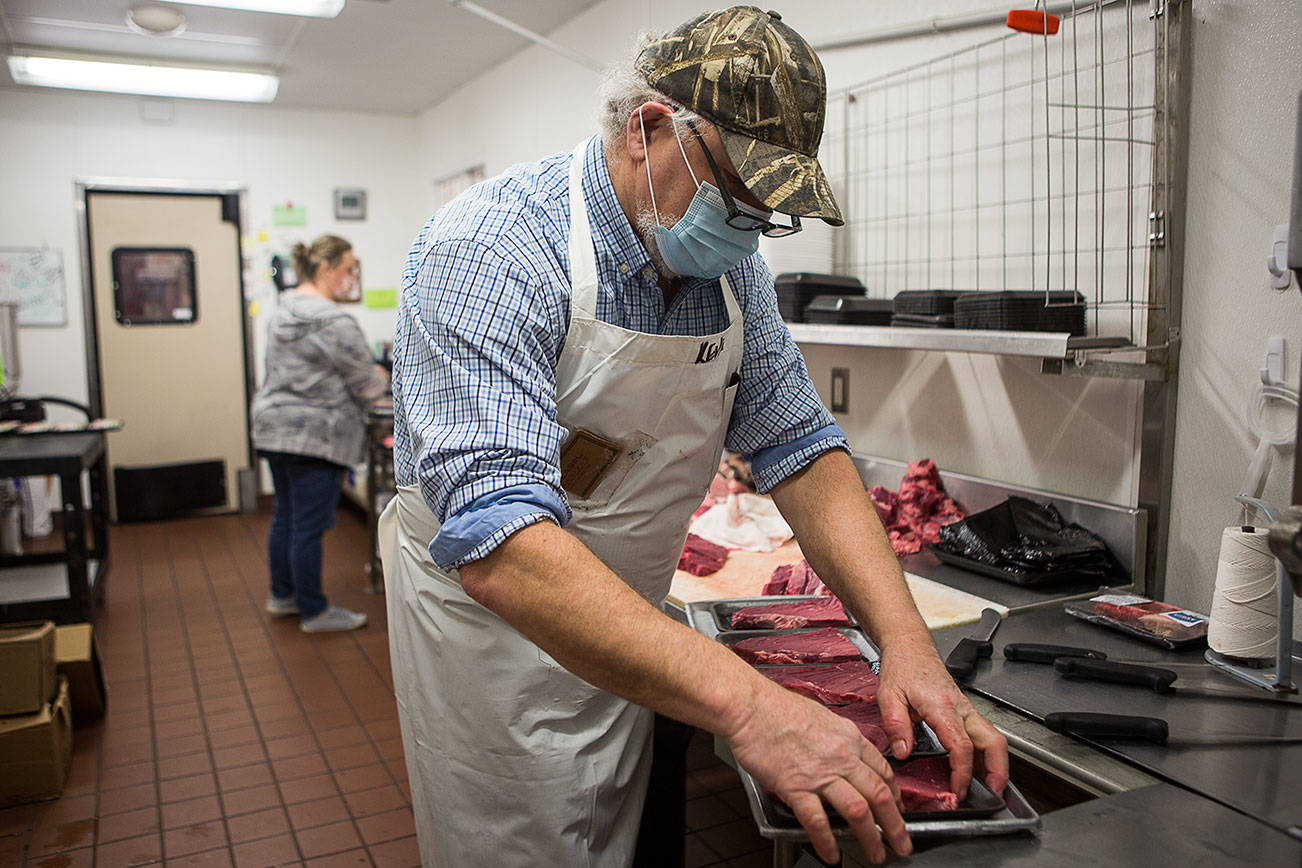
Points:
x=760 y=83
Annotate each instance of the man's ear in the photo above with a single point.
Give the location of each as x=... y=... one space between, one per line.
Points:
x=650 y=118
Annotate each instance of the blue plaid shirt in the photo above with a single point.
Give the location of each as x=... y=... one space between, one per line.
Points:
x=484 y=312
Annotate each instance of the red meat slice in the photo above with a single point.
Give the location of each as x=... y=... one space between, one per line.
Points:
x=924 y=784
x=792 y=579
x=823 y=612
x=831 y=685
x=868 y=717
x=828 y=645
x=701 y=557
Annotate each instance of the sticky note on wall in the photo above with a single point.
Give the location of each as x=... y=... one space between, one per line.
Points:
x=382 y=297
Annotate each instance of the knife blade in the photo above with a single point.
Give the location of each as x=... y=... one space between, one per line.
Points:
x=1160 y=680
x=1154 y=729
x=962 y=661
x=1038 y=652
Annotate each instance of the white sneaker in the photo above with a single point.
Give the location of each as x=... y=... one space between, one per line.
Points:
x=333 y=619
x=281 y=606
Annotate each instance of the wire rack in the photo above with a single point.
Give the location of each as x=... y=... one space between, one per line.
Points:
x=1024 y=162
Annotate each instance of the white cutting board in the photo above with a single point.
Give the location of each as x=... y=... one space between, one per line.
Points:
x=746 y=573
x=942 y=606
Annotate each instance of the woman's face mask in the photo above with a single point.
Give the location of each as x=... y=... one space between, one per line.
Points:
x=701 y=243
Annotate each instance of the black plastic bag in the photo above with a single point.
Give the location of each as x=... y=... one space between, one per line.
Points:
x=1020 y=536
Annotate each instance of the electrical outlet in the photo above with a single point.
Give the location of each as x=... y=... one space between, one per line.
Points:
x=840 y=390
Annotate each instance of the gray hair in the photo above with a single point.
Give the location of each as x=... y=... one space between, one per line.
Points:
x=623 y=89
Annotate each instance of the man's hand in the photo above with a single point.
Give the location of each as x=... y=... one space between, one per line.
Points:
x=916 y=686
x=807 y=755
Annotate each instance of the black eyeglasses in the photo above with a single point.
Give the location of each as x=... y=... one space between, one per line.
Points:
x=737 y=218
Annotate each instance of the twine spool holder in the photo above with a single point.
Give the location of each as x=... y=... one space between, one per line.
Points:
x=1277 y=678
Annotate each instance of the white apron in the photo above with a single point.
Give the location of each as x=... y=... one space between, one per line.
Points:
x=512 y=760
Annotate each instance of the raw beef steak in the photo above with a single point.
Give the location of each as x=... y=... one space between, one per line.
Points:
x=831 y=685
x=924 y=784
x=701 y=557
x=914 y=515
x=828 y=645
x=792 y=579
x=823 y=612
x=868 y=717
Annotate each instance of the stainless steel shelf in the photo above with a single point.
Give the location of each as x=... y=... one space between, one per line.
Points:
x=1052 y=345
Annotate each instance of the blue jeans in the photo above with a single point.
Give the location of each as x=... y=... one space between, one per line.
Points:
x=307 y=495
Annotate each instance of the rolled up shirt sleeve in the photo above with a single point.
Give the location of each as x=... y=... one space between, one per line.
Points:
x=475 y=413
x=778 y=421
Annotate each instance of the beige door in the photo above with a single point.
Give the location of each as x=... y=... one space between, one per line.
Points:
x=169 y=327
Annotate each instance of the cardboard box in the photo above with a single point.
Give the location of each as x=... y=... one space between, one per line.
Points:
x=28 y=679
x=78 y=660
x=36 y=752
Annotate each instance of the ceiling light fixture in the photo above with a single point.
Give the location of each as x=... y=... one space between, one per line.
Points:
x=184 y=82
x=307 y=8
x=149 y=19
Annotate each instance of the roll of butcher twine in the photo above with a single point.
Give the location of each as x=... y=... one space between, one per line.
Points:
x=1245 y=605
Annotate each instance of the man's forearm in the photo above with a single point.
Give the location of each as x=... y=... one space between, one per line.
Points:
x=555 y=591
x=843 y=540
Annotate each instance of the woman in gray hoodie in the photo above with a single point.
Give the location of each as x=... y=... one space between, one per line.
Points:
x=308 y=422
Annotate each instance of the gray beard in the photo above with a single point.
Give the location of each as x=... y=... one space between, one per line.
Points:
x=645 y=229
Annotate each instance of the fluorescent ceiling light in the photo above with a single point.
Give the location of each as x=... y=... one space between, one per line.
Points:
x=147 y=79
x=309 y=8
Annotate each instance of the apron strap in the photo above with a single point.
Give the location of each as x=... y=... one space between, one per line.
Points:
x=583 y=260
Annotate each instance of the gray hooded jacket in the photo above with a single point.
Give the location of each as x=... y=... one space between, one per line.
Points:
x=320 y=378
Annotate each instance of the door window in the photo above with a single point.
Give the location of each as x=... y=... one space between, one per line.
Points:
x=154 y=286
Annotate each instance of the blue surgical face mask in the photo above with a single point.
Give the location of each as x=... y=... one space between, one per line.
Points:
x=701 y=243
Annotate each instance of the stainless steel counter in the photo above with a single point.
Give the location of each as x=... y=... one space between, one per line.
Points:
x=1261 y=781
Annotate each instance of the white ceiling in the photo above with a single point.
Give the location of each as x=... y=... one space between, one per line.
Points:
x=392 y=56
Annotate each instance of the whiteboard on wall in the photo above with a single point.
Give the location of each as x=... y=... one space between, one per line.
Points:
x=33 y=277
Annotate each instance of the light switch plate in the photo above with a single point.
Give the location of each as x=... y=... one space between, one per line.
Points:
x=840 y=400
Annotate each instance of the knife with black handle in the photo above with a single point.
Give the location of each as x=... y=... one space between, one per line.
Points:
x=1152 y=729
x=962 y=661
x=1161 y=680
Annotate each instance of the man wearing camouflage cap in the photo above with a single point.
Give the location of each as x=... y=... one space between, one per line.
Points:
x=578 y=340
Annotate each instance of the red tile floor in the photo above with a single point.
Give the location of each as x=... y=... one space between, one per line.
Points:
x=232 y=738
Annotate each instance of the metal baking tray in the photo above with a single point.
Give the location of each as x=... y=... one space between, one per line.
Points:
x=713 y=617
x=1016 y=816
x=924 y=739
x=776 y=823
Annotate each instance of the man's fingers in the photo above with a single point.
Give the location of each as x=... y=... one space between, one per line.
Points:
x=954 y=738
x=880 y=795
x=880 y=767
x=993 y=749
x=808 y=809
x=858 y=810
x=897 y=722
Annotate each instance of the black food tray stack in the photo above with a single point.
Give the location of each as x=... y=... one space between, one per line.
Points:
x=796 y=289
x=1021 y=311
x=849 y=310
x=932 y=308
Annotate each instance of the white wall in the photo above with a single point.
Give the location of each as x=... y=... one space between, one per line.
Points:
x=992 y=417
x=55 y=138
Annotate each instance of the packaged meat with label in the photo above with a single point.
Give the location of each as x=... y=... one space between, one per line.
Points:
x=1151 y=620
x=827 y=645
